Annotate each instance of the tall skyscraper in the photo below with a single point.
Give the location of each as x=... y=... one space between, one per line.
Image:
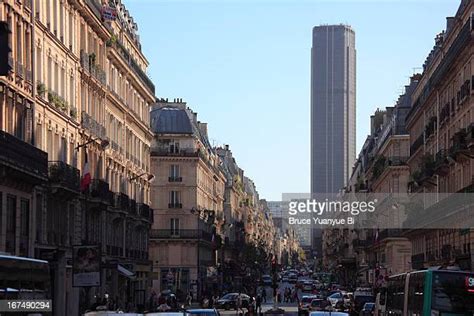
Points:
x=333 y=107
x=333 y=110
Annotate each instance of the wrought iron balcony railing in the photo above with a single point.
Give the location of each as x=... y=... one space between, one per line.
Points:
x=175 y=205
x=91 y=125
x=175 y=179
x=22 y=156
x=182 y=152
x=64 y=175
x=100 y=189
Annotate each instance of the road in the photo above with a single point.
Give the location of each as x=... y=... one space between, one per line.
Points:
x=290 y=308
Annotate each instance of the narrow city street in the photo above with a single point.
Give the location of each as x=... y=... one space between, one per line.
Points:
x=290 y=308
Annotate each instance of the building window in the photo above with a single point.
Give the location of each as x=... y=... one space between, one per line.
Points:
x=174 y=174
x=174 y=147
x=174 y=226
x=174 y=199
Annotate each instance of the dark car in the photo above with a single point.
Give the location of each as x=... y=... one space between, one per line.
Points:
x=361 y=299
x=318 y=304
x=203 y=312
x=368 y=309
x=229 y=301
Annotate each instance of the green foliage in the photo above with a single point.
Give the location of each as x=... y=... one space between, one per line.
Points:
x=73 y=112
x=57 y=101
x=41 y=88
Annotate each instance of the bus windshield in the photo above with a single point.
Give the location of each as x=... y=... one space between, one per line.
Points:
x=453 y=293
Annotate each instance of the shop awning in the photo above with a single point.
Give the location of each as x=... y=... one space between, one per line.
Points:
x=129 y=274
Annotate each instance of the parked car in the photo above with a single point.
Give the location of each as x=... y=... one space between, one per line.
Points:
x=339 y=299
x=229 y=301
x=203 y=312
x=304 y=305
x=318 y=304
x=368 y=309
x=361 y=298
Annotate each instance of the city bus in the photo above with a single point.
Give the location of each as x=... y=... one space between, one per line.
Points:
x=429 y=293
x=24 y=279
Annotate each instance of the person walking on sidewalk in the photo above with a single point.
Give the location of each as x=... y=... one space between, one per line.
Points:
x=189 y=299
x=258 y=304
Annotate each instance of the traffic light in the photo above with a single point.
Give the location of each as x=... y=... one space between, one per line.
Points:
x=5 y=48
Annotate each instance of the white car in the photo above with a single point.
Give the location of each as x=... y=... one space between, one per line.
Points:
x=338 y=298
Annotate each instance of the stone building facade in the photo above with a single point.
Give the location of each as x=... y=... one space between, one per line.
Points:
x=78 y=87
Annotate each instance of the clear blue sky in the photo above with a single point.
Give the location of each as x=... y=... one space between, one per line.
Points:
x=244 y=66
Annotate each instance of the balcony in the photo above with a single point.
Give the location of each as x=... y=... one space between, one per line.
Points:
x=175 y=179
x=441 y=163
x=99 y=189
x=464 y=93
x=422 y=176
x=175 y=205
x=62 y=175
x=416 y=144
x=88 y=64
x=133 y=65
x=173 y=152
x=383 y=163
x=22 y=160
x=459 y=150
x=180 y=234
x=92 y=126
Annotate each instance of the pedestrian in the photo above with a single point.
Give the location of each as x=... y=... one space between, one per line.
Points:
x=238 y=304
x=264 y=295
x=205 y=302
x=151 y=300
x=258 y=304
x=211 y=301
x=295 y=296
x=189 y=299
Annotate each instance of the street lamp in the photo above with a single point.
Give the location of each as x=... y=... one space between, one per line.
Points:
x=104 y=143
x=150 y=177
